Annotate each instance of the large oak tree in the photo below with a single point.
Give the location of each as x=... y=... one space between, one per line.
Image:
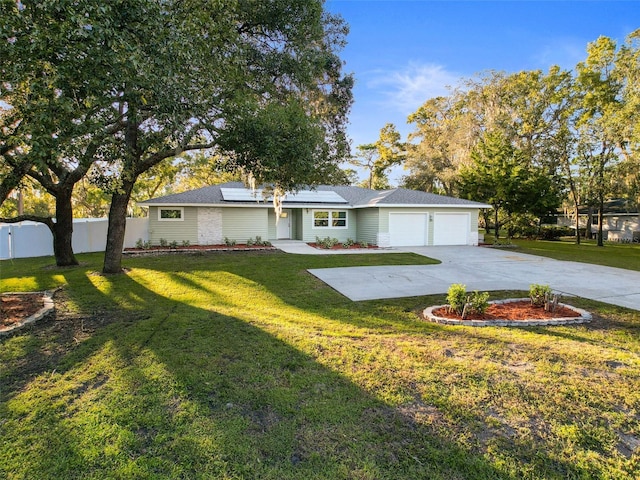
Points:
x=142 y=81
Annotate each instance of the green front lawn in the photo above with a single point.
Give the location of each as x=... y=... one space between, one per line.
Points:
x=243 y=365
x=620 y=255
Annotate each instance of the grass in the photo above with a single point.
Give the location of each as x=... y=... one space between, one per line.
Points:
x=244 y=365
x=620 y=255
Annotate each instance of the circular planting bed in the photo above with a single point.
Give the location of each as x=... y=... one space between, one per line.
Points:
x=517 y=312
x=19 y=309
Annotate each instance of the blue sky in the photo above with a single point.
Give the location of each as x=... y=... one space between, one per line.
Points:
x=405 y=52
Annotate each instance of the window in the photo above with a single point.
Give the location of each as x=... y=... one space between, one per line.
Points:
x=320 y=219
x=339 y=219
x=170 y=214
x=329 y=219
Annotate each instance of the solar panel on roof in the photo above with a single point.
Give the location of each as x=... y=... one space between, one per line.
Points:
x=311 y=196
x=304 y=196
x=241 y=195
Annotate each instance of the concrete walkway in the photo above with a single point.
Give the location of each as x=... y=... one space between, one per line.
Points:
x=479 y=268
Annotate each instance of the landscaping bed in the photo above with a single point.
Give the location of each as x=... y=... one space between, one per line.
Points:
x=340 y=246
x=241 y=247
x=18 y=309
x=512 y=312
x=329 y=243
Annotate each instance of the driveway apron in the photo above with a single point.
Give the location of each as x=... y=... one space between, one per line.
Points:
x=485 y=269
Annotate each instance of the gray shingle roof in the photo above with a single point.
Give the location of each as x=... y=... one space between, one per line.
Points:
x=355 y=196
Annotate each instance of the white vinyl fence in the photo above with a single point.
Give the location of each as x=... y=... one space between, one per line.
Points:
x=31 y=239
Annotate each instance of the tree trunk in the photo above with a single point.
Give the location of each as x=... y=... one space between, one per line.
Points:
x=588 y=234
x=496 y=225
x=600 y=219
x=576 y=204
x=63 y=229
x=577 y=225
x=116 y=229
x=485 y=216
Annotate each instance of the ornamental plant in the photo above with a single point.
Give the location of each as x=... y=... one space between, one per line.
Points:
x=458 y=300
x=539 y=294
x=327 y=242
x=457 y=297
x=479 y=301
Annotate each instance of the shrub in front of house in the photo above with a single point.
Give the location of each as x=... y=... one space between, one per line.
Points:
x=457 y=297
x=538 y=294
x=479 y=301
x=462 y=303
x=327 y=242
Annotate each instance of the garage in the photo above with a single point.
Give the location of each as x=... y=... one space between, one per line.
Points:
x=408 y=229
x=451 y=229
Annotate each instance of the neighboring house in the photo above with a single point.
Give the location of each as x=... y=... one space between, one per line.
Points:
x=617 y=227
x=621 y=221
x=396 y=217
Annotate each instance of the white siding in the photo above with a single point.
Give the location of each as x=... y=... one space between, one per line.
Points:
x=241 y=224
x=342 y=234
x=174 y=231
x=367 y=225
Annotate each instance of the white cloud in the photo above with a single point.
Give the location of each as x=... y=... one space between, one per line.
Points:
x=566 y=52
x=406 y=89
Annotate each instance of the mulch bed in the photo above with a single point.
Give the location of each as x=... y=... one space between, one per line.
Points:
x=339 y=246
x=239 y=246
x=519 y=310
x=14 y=308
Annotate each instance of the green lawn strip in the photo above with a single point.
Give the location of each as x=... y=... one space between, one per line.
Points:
x=246 y=366
x=620 y=255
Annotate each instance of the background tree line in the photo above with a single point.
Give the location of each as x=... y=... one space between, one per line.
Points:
x=529 y=142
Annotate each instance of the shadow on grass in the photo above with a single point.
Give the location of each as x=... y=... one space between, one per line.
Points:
x=197 y=385
x=192 y=393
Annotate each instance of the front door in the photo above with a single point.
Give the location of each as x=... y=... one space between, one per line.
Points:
x=284 y=225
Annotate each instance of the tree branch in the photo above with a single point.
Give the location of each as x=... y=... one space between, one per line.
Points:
x=173 y=152
x=48 y=221
x=12 y=179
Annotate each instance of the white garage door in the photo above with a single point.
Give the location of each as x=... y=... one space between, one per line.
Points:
x=408 y=229
x=451 y=228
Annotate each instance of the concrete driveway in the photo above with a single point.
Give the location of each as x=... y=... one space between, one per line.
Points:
x=484 y=269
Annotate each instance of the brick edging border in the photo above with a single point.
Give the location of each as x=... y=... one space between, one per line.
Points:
x=582 y=317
